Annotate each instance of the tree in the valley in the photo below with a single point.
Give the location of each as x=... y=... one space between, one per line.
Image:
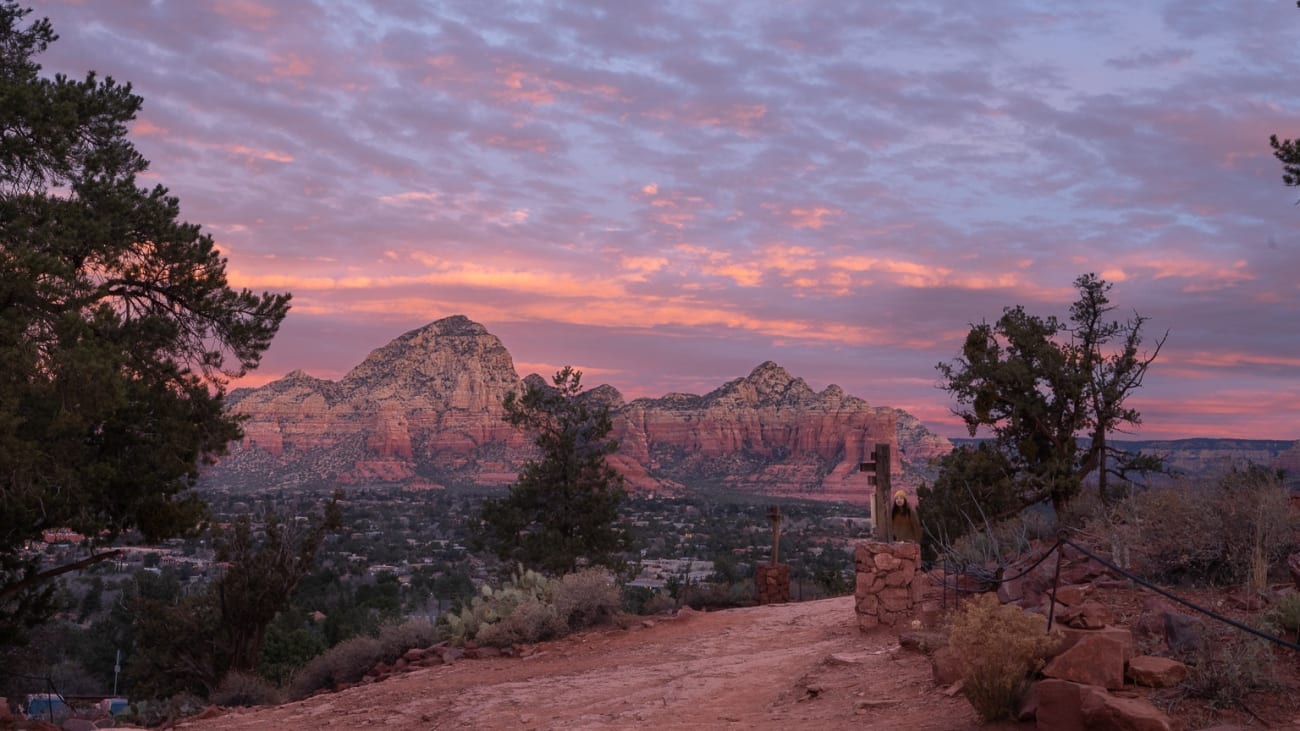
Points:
x=191 y=642
x=118 y=328
x=564 y=505
x=1050 y=392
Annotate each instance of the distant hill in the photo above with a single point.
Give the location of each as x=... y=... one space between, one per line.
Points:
x=425 y=410
x=1210 y=456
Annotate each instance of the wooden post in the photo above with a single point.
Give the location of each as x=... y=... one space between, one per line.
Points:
x=884 y=499
x=774 y=515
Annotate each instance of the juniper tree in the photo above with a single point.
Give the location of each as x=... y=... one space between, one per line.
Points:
x=1050 y=392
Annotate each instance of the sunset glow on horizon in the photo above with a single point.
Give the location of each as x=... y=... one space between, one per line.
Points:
x=666 y=195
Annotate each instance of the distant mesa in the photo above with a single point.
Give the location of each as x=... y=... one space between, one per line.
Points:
x=425 y=411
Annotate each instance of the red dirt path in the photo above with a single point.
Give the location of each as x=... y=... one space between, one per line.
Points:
x=804 y=666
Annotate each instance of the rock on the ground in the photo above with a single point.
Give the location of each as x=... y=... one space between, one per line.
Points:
x=1156 y=672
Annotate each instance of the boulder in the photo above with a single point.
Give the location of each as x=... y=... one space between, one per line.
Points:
x=1060 y=704
x=1070 y=636
x=1091 y=660
x=1105 y=711
x=1073 y=595
x=923 y=640
x=1184 y=634
x=1089 y=615
x=1151 y=622
x=1156 y=672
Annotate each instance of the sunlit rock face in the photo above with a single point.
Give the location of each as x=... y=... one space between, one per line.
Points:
x=427 y=408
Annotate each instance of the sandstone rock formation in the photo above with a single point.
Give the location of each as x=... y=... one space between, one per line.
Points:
x=427 y=408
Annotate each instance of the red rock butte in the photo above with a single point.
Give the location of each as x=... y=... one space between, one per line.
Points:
x=426 y=409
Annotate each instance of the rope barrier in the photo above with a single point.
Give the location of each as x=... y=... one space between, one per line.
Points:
x=1207 y=612
x=1062 y=541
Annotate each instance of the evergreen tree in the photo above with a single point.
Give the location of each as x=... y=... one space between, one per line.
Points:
x=118 y=330
x=191 y=642
x=1040 y=385
x=564 y=506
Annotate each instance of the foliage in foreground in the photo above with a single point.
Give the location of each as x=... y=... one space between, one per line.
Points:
x=1223 y=674
x=1039 y=384
x=118 y=331
x=350 y=660
x=192 y=642
x=564 y=506
x=531 y=608
x=1222 y=532
x=527 y=608
x=998 y=649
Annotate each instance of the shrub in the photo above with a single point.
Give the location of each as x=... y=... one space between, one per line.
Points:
x=998 y=648
x=1223 y=674
x=494 y=605
x=1224 y=532
x=244 y=689
x=1285 y=615
x=395 y=638
x=530 y=621
x=346 y=662
x=587 y=598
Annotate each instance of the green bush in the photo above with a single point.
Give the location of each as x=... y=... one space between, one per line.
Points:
x=529 y=621
x=346 y=662
x=244 y=689
x=998 y=649
x=494 y=605
x=587 y=598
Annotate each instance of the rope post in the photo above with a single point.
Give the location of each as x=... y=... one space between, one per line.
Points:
x=1056 y=579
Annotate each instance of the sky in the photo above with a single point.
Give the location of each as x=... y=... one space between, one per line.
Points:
x=667 y=194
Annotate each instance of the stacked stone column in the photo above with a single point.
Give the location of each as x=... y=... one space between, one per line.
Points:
x=773 y=580
x=884 y=593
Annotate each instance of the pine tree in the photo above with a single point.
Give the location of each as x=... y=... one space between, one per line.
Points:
x=118 y=329
x=564 y=505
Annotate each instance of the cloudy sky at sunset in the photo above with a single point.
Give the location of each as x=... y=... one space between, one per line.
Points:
x=666 y=194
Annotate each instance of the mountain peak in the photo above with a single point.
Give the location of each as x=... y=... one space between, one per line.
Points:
x=453 y=326
x=768 y=383
x=453 y=358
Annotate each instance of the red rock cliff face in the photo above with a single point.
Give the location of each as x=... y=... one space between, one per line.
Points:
x=768 y=432
x=427 y=408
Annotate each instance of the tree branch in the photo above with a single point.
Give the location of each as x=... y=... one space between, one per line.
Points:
x=44 y=576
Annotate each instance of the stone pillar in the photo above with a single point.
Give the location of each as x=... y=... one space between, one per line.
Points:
x=885 y=573
x=773 y=580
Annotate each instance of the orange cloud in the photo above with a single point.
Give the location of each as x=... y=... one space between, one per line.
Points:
x=255 y=154
x=1236 y=360
x=527 y=86
x=145 y=128
x=812 y=218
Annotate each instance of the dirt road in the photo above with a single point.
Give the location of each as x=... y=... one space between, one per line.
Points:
x=793 y=666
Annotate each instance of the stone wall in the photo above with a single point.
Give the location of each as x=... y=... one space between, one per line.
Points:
x=773 y=580
x=885 y=591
